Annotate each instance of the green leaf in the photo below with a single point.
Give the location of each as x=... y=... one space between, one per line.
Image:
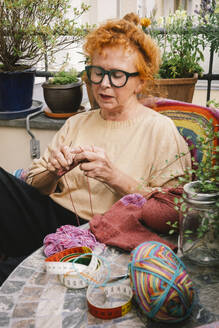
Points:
x=176 y=200
x=189 y=232
x=183 y=207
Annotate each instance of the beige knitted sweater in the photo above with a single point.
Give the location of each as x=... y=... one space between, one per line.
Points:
x=144 y=148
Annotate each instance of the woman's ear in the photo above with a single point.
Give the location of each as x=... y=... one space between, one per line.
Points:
x=139 y=86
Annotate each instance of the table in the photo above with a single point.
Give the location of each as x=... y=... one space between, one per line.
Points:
x=31 y=298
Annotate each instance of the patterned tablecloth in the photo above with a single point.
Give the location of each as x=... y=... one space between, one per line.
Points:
x=31 y=298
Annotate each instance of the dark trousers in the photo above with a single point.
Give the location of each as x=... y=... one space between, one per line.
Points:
x=26 y=217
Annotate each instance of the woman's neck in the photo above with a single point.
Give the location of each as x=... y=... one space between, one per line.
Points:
x=121 y=113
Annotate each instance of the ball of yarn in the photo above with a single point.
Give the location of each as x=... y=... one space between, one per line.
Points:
x=160 y=283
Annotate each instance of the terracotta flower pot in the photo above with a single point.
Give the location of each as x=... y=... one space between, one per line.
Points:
x=179 y=89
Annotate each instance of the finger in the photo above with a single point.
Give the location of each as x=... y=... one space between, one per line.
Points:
x=55 y=163
x=86 y=156
x=93 y=148
x=97 y=149
x=80 y=149
x=53 y=169
x=63 y=162
x=54 y=160
x=93 y=165
x=50 y=167
x=54 y=156
x=66 y=151
x=92 y=171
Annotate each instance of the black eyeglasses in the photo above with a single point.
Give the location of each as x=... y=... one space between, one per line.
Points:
x=117 y=78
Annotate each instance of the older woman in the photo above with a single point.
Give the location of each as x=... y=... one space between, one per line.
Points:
x=98 y=156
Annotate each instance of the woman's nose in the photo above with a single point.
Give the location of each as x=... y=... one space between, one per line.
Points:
x=106 y=82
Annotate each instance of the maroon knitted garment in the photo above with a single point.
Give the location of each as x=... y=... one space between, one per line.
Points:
x=121 y=226
x=159 y=209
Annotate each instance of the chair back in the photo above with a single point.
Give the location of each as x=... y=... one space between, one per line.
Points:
x=189 y=119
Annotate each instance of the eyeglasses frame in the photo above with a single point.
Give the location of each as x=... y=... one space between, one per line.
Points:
x=127 y=74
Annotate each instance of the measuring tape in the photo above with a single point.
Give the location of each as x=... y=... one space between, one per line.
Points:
x=89 y=273
x=108 y=311
x=82 y=279
x=74 y=275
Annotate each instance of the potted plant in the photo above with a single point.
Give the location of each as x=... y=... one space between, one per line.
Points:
x=199 y=206
x=208 y=14
x=63 y=92
x=29 y=30
x=181 y=47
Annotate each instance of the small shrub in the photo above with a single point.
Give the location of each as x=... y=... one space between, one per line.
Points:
x=64 y=77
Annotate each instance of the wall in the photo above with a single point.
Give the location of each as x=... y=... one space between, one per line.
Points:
x=15 y=146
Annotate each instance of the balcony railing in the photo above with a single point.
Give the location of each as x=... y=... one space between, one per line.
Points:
x=210 y=76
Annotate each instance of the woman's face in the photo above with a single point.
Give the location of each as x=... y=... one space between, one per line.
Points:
x=109 y=97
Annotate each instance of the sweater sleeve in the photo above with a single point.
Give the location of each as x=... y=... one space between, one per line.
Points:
x=172 y=155
x=39 y=165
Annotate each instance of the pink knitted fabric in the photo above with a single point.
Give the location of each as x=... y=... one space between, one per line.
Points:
x=68 y=236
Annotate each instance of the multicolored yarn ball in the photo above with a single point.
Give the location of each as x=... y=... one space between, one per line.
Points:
x=160 y=283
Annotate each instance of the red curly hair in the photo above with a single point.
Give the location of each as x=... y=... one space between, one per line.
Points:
x=127 y=33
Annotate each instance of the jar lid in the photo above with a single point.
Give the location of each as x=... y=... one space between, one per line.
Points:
x=196 y=197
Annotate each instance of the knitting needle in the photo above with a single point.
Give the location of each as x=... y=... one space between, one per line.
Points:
x=122 y=276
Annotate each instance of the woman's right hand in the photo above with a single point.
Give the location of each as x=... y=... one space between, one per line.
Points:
x=61 y=161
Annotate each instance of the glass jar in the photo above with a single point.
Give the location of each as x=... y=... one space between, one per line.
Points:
x=199 y=233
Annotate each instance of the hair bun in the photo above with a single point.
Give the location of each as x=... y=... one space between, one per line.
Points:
x=132 y=18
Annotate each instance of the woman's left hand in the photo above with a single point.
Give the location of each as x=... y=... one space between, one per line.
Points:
x=95 y=163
